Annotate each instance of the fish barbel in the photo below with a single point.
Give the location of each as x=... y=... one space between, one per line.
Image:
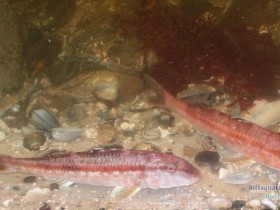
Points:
x=236 y=134
x=108 y=167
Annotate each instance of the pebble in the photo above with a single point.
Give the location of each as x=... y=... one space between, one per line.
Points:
x=219 y=203
x=151 y=133
x=45 y=207
x=254 y=204
x=237 y=204
x=223 y=173
x=126 y=126
x=206 y=158
x=30 y=179
x=107 y=91
x=91 y=133
x=107 y=134
x=146 y=146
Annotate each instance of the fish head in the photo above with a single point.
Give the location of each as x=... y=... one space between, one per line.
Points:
x=172 y=171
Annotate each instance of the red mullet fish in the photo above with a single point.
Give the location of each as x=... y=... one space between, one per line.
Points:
x=236 y=134
x=109 y=167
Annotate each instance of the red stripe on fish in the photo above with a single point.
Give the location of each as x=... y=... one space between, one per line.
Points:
x=239 y=135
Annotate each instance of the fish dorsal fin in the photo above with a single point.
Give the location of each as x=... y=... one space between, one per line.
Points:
x=106 y=147
x=56 y=153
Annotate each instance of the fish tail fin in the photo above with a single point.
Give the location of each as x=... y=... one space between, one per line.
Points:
x=163 y=94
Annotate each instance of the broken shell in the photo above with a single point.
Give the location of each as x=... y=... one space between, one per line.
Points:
x=207 y=158
x=43 y=119
x=75 y=113
x=33 y=141
x=264 y=113
x=107 y=91
x=139 y=105
x=146 y=146
x=269 y=203
x=37 y=195
x=239 y=178
x=197 y=94
x=151 y=133
x=66 y=134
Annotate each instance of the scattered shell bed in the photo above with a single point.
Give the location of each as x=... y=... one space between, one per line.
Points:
x=229 y=181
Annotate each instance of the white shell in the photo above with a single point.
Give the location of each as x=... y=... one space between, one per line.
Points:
x=239 y=178
x=37 y=195
x=264 y=114
x=269 y=204
x=219 y=203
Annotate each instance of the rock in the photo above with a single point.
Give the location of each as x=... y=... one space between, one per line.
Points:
x=238 y=204
x=11 y=74
x=207 y=158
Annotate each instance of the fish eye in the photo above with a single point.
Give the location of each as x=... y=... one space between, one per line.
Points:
x=171 y=168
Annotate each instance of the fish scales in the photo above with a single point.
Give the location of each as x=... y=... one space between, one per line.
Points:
x=237 y=134
x=109 y=167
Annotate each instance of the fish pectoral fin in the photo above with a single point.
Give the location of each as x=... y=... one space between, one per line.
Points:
x=62 y=183
x=106 y=147
x=124 y=192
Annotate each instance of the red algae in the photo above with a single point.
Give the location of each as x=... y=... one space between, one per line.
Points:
x=198 y=43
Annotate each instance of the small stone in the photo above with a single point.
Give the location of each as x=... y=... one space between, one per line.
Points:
x=45 y=207
x=107 y=91
x=91 y=133
x=238 y=204
x=30 y=179
x=54 y=186
x=223 y=173
x=254 y=204
x=219 y=203
x=165 y=120
x=16 y=188
x=146 y=146
x=151 y=133
x=205 y=158
x=107 y=134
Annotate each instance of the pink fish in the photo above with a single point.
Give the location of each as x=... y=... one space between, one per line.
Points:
x=109 y=167
x=237 y=134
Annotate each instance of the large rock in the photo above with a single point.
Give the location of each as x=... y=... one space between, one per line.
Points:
x=11 y=74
